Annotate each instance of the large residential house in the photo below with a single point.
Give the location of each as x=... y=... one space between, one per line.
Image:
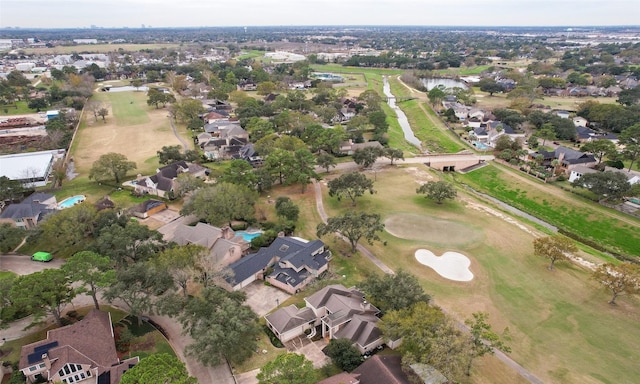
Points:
x=567 y=157
x=83 y=352
x=222 y=243
x=30 y=211
x=340 y=312
x=164 y=180
x=292 y=264
x=223 y=142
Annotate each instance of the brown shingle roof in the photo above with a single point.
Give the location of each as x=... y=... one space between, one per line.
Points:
x=382 y=369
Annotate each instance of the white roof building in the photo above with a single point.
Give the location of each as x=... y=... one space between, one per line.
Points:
x=31 y=168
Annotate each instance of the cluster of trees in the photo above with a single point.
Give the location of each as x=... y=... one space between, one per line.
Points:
x=618 y=278
x=126 y=262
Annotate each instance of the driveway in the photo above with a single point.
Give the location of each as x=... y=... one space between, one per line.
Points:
x=23 y=265
x=312 y=350
x=263 y=298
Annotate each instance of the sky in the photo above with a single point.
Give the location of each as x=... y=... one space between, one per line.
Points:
x=214 y=13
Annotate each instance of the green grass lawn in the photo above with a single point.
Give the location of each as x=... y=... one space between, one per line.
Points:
x=20 y=108
x=559 y=323
x=128 y=107
x=571 y=213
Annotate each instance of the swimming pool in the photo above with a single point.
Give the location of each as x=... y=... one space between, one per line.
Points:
x=481 y=146
x=71 y=201
x=248 y=236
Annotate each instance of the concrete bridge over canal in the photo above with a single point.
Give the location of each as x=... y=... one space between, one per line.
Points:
x=450 y=162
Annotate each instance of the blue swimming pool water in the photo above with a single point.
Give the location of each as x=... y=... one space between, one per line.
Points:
x=70 y=201
x=248 y=236
x=480 y=145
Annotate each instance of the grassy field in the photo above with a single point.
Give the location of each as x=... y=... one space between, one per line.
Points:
x=132 y=128
x=96 y=48
x=565 y=210
x=558 y=324
x=499 y=100
x=20 y=108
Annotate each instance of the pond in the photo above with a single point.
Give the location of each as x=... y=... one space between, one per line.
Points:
x=447 y=83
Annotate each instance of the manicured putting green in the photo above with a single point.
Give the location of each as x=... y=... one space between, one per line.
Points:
x=432 y=230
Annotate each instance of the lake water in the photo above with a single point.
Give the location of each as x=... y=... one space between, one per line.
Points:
x=447 y=83
x=402 y=118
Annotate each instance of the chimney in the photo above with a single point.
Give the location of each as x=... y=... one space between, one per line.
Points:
x=47 y=361
x=227 y=233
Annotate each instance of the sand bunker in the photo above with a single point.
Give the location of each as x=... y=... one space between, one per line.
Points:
x=451 y=265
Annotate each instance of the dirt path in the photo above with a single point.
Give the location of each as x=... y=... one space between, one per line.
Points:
x=175 y=132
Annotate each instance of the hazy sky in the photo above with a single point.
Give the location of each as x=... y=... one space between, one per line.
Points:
x=191 y=13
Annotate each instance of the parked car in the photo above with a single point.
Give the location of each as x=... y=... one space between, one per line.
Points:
x=42 y=256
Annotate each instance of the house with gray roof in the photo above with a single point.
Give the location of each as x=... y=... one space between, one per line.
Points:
x=163 y=181
x=339 y=312
x=568 y=158
x=293 y=263
x=30 y=211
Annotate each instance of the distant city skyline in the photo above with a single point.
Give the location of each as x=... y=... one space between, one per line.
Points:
x=198 y=13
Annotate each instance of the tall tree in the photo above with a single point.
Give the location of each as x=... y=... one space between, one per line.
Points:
x=222 y=203
x=607 y=183
x=94 y=272
x=280 y=163
x=599 y=148
x=10 y=190
x=394 y=292
x=129 y=243
x=351 y=185
x=103 y=112
x=393 y=154
x=326 y=161
x=344 y=354
x=70 y=226
x=623 y=278
x=366 y=157
x=353 y=226
x=436 y=95
x=437 y=191
x=483 y=339
x=158 y=368
x=180 y=263
x=186 y=182
x=220 y=325
x=415 y=325
x=111 y=166
x=630 y=140
x=303 y=168
x=170 y=154
x=554 y=248
x=288 y=368
x=138 y=287
x=46 y=292
x=240 y=172
x=287 y=209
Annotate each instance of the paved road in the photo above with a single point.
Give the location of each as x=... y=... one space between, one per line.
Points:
x=499 y=354
x=23 y=265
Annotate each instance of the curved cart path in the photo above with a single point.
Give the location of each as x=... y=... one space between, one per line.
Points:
x=499 y=354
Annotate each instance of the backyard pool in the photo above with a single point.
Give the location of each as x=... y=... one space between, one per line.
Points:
x=481 y=146
x=71 y=201
x=248 y=236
